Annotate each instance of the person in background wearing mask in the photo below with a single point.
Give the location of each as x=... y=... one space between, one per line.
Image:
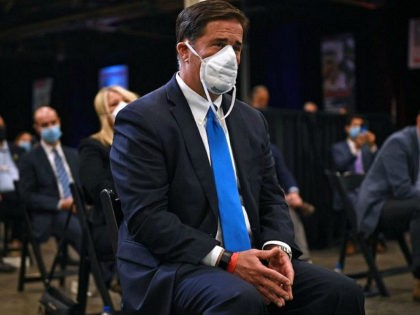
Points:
x=45 y=174
x=354 y=154
x=24 y=140
x=11 y=209
x=95 y=171
x=206 y=229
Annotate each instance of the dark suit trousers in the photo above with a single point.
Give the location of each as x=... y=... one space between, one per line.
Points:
x=210 y=291
x=72 y=233
x=404 y=215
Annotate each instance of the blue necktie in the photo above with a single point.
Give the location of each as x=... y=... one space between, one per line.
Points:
x=62 y=174
x=235 y=234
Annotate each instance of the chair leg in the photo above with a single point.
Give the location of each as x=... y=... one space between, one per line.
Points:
x=22 y=270
x=373 y=270
x=405 y=250
x=339 y=267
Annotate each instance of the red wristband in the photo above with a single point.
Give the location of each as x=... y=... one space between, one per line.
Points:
x=232 y=264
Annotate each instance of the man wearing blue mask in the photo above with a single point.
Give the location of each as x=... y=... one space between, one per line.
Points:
x=356 y=153
x=206 y=229
x=45 y=174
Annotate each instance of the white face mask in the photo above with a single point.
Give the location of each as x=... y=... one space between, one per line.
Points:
x=218 y=73
x=119 y=107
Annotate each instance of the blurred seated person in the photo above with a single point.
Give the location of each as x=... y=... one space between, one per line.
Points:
x=259 y=100
x=95 y=172
x=294 y=200
x=357 y=151
x=11 y=209
x=45 y=175
x=260 y=97
x=389 y=196
x=354 y=154
x=310 y=107
x=24 y=140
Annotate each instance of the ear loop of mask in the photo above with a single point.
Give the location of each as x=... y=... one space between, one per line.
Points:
x=207 y=92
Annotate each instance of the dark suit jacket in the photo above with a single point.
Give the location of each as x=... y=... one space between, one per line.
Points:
x=95 y=174
x=344 y=159
x=39 y=188
x=164 y=180
x=285 y=177
x=392 y=175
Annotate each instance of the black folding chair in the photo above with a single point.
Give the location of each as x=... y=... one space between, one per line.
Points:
x=347 y=186
x=89 y=262
x=113 y=214
x=30 y=242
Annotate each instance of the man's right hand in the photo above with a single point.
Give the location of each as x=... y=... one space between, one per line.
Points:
x=267 y=281
x=66 y=204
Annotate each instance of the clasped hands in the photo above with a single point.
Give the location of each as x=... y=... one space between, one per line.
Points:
x=270 y=271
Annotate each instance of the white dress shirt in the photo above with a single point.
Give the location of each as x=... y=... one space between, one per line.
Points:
x=199 y=107
x=50 y=155
x=8 y=170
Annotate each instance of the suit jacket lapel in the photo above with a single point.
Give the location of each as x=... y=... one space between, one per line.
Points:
x=45 y=165
x=194 y=144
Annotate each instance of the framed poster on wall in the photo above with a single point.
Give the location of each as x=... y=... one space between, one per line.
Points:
x=414 y=44
x=338 y=73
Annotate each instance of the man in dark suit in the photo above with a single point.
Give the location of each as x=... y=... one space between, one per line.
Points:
x=390 y=193
x=175 y=254
x=356 y=153
x=45 y=174
x=11 y=209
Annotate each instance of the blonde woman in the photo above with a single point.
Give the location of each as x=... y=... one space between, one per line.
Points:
x=95 y=172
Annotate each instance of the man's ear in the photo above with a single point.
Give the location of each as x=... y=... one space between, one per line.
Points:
x=183 y=52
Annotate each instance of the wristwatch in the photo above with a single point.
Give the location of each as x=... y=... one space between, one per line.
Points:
x=225 y=259
x=286 y=250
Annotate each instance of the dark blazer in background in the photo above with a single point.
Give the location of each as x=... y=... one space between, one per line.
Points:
x=344 y=159
x=285 y=177
x=392 y=175
x=95 y=175
x=39 y=188
x=164 y=180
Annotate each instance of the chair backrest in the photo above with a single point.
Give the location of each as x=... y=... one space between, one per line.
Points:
x=347 y=185
x=113 y=214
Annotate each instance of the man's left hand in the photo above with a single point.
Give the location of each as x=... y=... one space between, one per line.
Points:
x=281 y=263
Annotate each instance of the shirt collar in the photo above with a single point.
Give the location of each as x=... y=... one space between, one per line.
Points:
x=198 y=104
x=49 y=148
x=352 y=146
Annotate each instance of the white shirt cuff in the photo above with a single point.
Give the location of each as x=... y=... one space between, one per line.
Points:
x=211 y=258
